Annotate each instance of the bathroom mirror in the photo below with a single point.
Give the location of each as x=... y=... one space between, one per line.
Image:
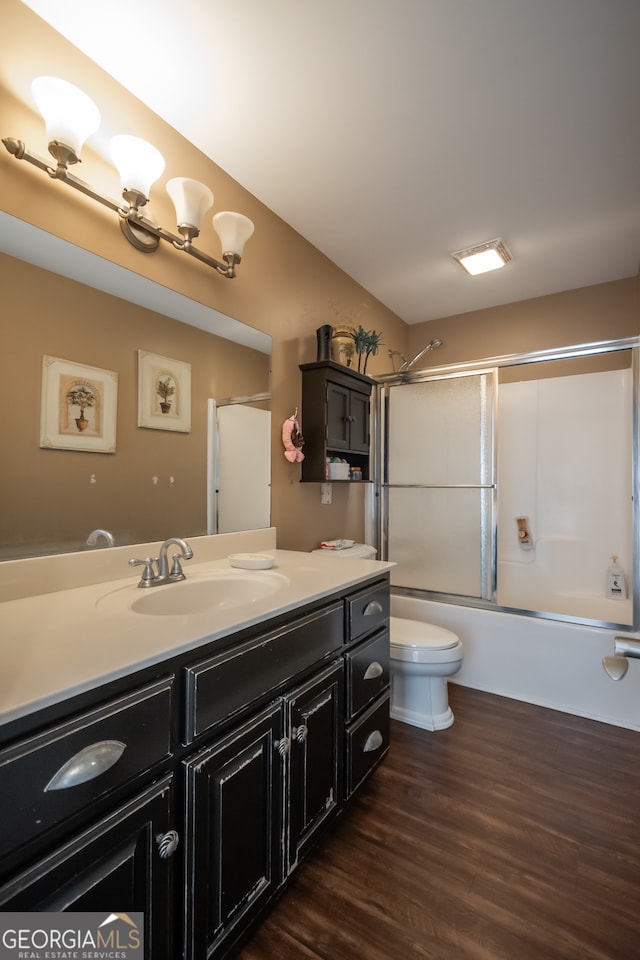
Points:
x=60 y=301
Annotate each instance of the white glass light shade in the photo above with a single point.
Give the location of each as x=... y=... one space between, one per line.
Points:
x=139 y=163
x=69 y=114
x=483 y=257
x=234 y=230
x=482 y=262
x=191 y=199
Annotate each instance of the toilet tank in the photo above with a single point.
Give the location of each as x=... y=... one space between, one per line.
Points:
x=359 y=551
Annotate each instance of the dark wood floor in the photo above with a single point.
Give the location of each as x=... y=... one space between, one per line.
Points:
x=513 y=835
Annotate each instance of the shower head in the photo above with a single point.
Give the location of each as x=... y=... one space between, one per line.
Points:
x=432 y=345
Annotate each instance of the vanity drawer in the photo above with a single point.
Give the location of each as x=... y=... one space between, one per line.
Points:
x=58 y=773
x=367 y=741
x=220 y=686
x=367 y=611
x=367 y=672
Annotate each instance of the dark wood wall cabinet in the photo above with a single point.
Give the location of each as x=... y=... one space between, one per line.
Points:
x=191 y=791
x=336 y=405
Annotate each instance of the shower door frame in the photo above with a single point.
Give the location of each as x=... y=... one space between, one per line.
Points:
x=376 y=520
x=488 y=566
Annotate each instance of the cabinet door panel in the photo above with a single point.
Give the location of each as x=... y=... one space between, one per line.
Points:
x=314 y=715
x=234 y=828
x=338 y=416
x=113 y=867
x=359 y=412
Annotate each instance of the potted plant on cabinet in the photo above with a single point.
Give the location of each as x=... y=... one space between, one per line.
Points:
x=366 y=344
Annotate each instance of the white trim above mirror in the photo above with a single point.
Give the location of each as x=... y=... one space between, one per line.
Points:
x=26 y=242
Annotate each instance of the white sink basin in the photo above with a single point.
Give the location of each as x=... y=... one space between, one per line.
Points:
x=198 y=594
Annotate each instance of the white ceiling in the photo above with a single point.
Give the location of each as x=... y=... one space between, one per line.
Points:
x=390 y=133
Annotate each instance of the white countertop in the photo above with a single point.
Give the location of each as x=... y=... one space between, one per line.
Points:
x=58 y=644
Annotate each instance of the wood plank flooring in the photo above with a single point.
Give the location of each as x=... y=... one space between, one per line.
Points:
x=513 y=835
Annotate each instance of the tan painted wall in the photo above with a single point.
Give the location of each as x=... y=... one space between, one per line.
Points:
x=604 y=311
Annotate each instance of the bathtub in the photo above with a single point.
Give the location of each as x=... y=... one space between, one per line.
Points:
x=537 y=660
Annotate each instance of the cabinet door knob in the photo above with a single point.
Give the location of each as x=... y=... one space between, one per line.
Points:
x=167 y=844
x=373 y=742
x=299 y=733
x=87 y=764
x=282 y=746
x=373 y=670
x=372 y=608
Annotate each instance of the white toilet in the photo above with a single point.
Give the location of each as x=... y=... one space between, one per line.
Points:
x=422 y=657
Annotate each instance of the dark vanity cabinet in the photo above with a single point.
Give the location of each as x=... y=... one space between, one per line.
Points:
x=233 y=831
x=257 y=796
x=367 y=720
x=80 y=832
x=336 y=405
x=191 y=791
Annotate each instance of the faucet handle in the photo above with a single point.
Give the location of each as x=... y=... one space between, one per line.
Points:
x=176 y=568
x=148 y=574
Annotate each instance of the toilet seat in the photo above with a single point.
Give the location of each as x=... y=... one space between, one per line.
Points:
x=422 y=642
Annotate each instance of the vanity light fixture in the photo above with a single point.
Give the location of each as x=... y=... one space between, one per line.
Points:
x=70 y=118
x=483 y=257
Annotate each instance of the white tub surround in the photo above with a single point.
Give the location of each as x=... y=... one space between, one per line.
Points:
x=547 y=662
x=75 y=637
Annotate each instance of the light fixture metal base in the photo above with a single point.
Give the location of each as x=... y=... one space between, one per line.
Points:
x=138 y=237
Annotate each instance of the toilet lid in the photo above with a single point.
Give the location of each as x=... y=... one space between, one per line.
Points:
x=413 y=633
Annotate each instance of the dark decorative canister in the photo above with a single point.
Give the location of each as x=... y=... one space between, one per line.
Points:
x=323 y=335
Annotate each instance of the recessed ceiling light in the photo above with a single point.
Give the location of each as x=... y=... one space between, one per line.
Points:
x=483 y=257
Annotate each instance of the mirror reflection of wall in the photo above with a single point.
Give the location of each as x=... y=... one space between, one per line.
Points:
x=239 y=460
x=155 y=485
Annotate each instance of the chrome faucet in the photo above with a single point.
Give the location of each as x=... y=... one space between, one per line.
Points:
x=186 y=553
x=93 y=537
x=164 y=575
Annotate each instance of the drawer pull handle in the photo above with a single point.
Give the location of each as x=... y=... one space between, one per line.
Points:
x=373 y=670
x=372 y=608
x=373 y=742
x=299 y=733
x=167 y=844
x=87 y=764
x=282 y=746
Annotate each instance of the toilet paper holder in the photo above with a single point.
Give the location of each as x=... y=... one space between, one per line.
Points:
x=617 y=665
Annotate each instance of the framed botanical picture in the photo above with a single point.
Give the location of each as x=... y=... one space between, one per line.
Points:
x=78 y=406
x=164 y=393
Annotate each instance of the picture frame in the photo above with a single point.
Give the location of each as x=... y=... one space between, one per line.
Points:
x=164 y=393
x=78 y=406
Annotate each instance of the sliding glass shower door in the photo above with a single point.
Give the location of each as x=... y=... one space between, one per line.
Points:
x=438 y=483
